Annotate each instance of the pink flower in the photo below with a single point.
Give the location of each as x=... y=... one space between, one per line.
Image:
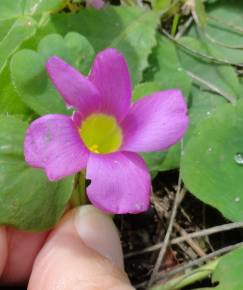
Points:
x=105 y=132
x=97 y=4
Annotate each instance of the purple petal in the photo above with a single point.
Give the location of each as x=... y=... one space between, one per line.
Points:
x=110 y=75
x=155 y=122
x=76 y=89
x=53 y=143
x=120 y=182
x=97 y=4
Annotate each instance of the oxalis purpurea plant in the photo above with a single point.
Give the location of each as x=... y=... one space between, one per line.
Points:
x=101 y=93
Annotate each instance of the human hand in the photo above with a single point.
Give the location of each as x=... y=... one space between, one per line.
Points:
x=82 y=252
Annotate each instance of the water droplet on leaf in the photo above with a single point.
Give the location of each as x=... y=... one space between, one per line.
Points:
x=237 y=199
x=239 y=158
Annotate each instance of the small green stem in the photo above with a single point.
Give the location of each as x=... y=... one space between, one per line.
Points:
x=175 y=24
x=189 y=278
x=44 y=19
x=79 y=190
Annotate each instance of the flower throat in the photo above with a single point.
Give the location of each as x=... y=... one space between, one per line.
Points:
x=101 y=133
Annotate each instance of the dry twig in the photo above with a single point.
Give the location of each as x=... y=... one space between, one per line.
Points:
x=167 y=236
x=206 y=232
x=159 y=206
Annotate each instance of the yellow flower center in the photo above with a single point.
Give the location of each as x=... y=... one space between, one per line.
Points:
x=101 y=133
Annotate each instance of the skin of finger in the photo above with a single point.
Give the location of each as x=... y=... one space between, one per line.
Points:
x=66 y=263
x=3 y=249
x=22 y=250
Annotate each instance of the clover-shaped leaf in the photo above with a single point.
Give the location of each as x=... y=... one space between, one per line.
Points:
x=131 y=30
x=29 y=75
x=18 y=23
x=212 y=162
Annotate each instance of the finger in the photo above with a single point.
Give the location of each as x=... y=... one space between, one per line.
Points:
x=3 y=249
x=22 y=250
x=83 y=253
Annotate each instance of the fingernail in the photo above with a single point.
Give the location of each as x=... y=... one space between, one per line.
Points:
x=97 y=231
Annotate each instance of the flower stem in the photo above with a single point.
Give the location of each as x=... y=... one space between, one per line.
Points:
x=189 y=278
x=175 y=24
x=79 y=190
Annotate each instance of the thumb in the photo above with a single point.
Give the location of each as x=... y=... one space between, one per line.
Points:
x=82 y=253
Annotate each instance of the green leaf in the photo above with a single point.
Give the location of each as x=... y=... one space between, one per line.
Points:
x=202 y=106
x=166 y=68
x=220 y=76
x=213 y=50
x=29 y=75
x=226 y=54
x=35 y=7
x=10 y=9
x=131 y=30
x=146 y=89
x=17 y=23
x=74 y=48
x=10 y=101
x=5 y=26
x=18 y=31
x=22 y=29
x=35 y=89
x=209 y=167
x=19 y=8
x=223 y=34
x=161 y=4
x=228 y=272
x=28 y=201
x=225 y=22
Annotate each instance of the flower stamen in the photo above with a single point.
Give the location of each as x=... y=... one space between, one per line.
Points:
x=94 y=148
